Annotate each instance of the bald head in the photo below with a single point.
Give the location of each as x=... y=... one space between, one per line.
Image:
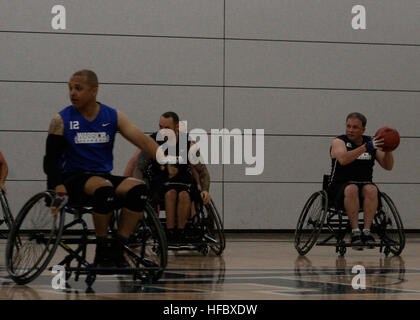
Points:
x=91 y=77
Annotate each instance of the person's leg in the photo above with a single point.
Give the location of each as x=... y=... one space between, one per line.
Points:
x=352 y=207
x=170 y=209
x=370 y=205
x=132 y=197
x=183 y=209
x=129 y=190
x=101 y=192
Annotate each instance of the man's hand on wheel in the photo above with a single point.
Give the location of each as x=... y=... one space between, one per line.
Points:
x=60 y=200
x=205 y=195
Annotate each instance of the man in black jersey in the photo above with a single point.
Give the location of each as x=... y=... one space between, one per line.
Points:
x=175 y=183
x=350 y=187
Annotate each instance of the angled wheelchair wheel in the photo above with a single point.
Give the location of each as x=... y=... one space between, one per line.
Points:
x=7 y=215
x=213 y=229
x=149 y=245
x=389 y=226
x=310 y=222
x=33 y=238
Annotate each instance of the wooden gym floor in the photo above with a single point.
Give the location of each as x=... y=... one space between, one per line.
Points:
x=253 y=267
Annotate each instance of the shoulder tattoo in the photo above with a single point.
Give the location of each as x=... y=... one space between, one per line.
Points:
x=56 y=125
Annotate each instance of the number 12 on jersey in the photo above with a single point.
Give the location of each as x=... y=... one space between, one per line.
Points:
x=74 y=125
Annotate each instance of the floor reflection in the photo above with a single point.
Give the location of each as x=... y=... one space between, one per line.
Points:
x=384 y=275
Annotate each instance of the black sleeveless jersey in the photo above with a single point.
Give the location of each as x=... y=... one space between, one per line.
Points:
x=359 y=170
x=153 y=169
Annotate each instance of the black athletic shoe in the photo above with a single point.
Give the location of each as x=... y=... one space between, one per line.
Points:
x=171 y=236
x=356 y=241
x=117 y=253
x=180 y=237
x=102 y=256
x=369 y=240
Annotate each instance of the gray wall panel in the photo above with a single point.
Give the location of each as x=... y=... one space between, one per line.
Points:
x=323 y=20
x=200 y=18
x=315 y=65
x=24 y=152
x=304 y=159
x=322 y=112
x=115 y=59
x=31 y=106
x=277 y=206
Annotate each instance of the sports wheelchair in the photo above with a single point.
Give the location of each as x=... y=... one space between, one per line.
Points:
x=36 y=235
x=204 y=229
x=319 y=216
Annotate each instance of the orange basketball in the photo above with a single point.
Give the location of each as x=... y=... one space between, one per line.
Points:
x=391 y=138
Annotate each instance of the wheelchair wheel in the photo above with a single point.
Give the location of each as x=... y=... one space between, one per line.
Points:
x=310 y=222
x=213 y=232
x=33 y=239
x=389 y=224
x=149 y=244
x=7 y=215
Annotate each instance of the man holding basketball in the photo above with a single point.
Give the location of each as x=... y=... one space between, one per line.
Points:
x=350 y=186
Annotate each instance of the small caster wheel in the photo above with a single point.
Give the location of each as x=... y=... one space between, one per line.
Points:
x=387 y=250
x=342 y=251
x=204 y=250
x=90 y=279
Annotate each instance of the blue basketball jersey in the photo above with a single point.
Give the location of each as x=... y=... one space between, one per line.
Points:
x=89 y=143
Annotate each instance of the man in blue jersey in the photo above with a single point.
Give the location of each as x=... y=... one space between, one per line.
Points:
x=353 y=156
x=79 y=160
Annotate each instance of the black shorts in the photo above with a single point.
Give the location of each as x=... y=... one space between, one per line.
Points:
x=161 y=184
x=336 y=193
x=75 y=185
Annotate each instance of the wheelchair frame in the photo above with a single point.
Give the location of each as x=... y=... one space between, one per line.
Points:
x=51 y=233
x=386 y=224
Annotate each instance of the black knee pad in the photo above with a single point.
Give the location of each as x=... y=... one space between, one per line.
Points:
x=104 y=200
x=136 y=198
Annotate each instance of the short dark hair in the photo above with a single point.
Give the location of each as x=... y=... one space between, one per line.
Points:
x=359 y=116
x=92 y=78
x=171 y=114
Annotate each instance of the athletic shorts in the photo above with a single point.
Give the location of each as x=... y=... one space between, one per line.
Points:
x=336 y=193
x=161 y=184
x=75 y=185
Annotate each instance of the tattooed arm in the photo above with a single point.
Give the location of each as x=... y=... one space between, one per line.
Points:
x=204 y=178
x=55 y=146
x=56 y=126
x=143 y=160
